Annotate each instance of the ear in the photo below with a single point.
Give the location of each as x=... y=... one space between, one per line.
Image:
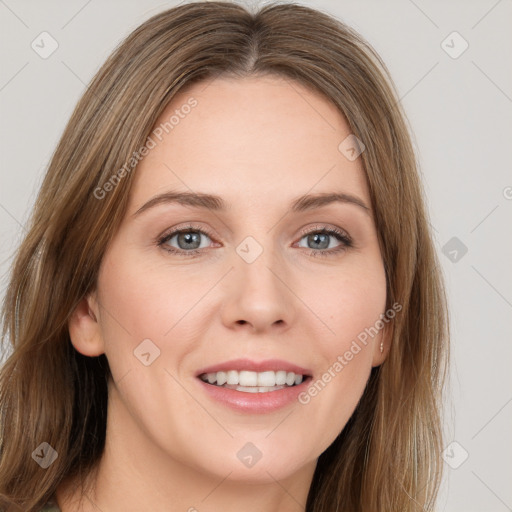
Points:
x=384 y=337
x=84 y=328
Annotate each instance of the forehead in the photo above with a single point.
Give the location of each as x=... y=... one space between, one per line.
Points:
x=258 y=140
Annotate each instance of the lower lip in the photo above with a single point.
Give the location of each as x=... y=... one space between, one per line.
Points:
x=257 y=403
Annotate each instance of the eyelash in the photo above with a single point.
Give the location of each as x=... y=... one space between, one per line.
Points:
x=324 y=230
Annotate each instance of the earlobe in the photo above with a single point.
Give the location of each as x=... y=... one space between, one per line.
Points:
x=381 y=346
x=84 y=328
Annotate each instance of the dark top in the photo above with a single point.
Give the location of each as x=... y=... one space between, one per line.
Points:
x=51 y=506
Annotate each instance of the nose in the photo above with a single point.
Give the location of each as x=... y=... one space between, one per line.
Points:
x=259 y=297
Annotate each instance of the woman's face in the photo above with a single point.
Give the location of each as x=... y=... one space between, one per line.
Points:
x=254 y=280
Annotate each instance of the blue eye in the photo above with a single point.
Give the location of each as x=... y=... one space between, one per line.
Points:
x=189 y=241
x=320 y=236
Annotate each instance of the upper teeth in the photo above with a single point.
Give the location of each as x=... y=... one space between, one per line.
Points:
x=246 y=378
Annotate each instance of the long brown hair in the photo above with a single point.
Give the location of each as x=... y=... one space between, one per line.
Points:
x=387 y=458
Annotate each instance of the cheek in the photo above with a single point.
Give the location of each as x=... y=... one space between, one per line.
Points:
x=146 y=302
x=349 y=302
x=138 y=304
x=351 y=306
x=155 y=303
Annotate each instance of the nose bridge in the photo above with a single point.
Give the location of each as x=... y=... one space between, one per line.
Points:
x=258 y=294
x=258 y=263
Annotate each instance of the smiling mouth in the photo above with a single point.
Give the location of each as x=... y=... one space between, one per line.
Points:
x=254 y=382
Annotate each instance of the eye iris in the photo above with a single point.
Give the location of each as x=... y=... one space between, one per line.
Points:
x=315 y=237
x=189 y=239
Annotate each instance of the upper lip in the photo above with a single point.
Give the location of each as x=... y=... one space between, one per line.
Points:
x=255 y=366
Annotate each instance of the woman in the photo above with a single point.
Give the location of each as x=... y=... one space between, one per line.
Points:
x=228 y=296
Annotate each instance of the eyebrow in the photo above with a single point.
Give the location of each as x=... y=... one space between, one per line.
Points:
x=215 y=203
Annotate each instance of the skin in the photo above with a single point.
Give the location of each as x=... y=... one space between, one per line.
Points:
x=258 y=143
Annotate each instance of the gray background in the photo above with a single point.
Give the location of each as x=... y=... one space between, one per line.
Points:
x=460 y=111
